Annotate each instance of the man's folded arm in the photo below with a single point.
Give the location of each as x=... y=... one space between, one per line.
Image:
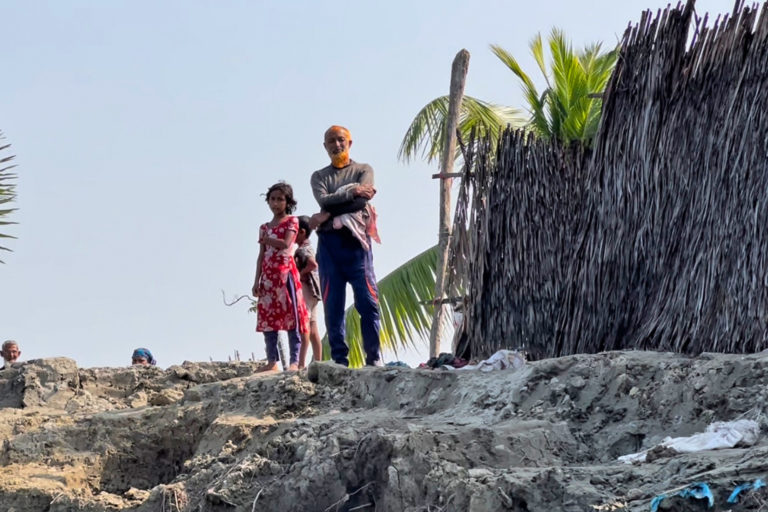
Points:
x=355 y=205
x=326 y=199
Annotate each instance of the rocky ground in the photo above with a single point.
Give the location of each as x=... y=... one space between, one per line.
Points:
x=219 y=437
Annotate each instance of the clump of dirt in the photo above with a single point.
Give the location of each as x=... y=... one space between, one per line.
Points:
x=221 y=437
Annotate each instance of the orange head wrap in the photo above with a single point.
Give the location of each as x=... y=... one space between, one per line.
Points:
x=337 y=128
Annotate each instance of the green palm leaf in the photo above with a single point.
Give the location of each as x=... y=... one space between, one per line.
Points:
x=7 y=191
x=536 y=102
x=567 y=109
x=426 y=134
x=404 y=319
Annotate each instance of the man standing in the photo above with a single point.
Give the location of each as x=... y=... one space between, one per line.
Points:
x=344 y=254
x=10 y=352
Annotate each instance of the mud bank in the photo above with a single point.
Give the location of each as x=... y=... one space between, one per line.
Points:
x=219 y=437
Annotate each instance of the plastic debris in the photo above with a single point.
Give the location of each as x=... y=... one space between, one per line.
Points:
x=698 y=491
x=721 y=434
x=610 y=507
x=734 y=497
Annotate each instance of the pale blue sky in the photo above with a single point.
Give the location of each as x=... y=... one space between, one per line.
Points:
x=145 y=133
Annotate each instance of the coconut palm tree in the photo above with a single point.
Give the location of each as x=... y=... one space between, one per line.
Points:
x=7 y=190
x=568 y=109
x=427 y=130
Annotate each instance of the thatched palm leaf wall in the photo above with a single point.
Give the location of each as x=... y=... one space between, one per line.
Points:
x=524 y=226
x=656 y=239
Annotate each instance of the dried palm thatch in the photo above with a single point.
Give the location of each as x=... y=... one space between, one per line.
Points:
x=652 y=240
x=525 y=207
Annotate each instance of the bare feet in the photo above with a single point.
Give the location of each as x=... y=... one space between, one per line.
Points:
x=294 y=367
x=270 y=367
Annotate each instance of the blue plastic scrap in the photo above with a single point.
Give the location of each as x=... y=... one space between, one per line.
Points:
x=734 y=497
x=697 y=491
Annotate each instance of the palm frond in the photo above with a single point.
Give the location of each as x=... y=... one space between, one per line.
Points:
x=537 y=50
x=425 y=131
x=529 y=89
x=404 y=319
x=536 y=101
x=7 y=191
x=487 y=119
x=426 y=134
x=598 y=75
x=567 y=110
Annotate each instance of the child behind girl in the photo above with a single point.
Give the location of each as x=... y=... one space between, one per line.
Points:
x=310 y=286
x=277 y=285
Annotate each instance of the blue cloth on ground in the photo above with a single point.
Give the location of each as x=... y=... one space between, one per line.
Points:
x=734 y=497
x=698 y=491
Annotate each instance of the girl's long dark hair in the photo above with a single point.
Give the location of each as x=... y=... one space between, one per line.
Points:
x=287 y=190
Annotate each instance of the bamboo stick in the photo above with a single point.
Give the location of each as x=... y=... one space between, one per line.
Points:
x=458 y=80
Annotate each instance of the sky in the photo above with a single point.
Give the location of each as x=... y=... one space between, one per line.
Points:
x=145 y=134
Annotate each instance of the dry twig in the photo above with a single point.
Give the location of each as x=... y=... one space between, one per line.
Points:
x=346 y=497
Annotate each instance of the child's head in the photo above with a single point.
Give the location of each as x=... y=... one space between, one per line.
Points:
x=280 y=197
x=304 y=230
x=142 y=357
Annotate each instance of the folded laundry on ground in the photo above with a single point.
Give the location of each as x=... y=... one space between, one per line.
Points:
x=721 y=434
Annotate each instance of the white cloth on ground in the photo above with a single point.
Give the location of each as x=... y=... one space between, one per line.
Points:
x=721 y=434
x=501 y=360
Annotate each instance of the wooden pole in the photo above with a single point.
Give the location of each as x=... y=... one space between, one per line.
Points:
x=458 y=80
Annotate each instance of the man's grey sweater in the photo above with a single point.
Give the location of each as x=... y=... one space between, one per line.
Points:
x=327 y=182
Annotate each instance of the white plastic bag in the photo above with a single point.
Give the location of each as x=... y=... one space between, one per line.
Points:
x=501 y=360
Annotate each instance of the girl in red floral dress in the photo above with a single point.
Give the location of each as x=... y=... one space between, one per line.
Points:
x=277 y=284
